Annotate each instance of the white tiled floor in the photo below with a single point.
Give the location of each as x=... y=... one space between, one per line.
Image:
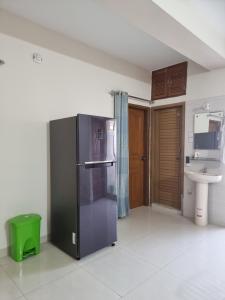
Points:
x=158 y=256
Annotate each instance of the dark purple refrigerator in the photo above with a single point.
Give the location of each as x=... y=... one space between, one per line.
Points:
x=83 y=184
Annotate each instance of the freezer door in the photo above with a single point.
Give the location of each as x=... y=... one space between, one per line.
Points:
x=97 y=206
x=96 y=138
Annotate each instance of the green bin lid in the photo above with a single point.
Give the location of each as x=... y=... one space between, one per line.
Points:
x=25 y=219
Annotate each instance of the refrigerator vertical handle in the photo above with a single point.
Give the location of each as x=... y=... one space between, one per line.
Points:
x=98 y=162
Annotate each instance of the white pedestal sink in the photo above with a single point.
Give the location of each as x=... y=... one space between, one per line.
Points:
x=202 y=180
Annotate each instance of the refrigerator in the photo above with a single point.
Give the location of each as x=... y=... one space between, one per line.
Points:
x=83 y=184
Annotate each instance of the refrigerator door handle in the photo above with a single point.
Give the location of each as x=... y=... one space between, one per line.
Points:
x=98 y=162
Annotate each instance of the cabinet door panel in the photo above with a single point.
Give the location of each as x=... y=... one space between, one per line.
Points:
x=159 y=84
x=177 y=78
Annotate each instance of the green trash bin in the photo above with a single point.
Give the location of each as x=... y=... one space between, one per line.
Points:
x=24 y=236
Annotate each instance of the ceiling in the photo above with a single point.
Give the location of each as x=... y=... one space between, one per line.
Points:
x=204 y=19
x=213 y=11
x=93 y=24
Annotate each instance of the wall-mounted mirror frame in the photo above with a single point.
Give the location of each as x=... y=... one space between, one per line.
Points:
x=207 y=130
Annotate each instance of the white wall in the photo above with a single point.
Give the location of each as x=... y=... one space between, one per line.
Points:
x=206 y=85
x=31 y=95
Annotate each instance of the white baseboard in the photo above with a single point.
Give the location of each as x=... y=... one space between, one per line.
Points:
x=4 y=252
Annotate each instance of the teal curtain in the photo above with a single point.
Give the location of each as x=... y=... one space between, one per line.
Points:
x=121 y=116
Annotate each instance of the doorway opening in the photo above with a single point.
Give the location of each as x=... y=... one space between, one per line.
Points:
x=139 y=171
x=167 y=155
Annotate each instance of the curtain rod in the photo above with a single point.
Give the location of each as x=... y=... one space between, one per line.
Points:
x=140 y=99
x=136 y=98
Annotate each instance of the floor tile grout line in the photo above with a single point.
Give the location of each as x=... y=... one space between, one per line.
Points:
x=144 y=236
x=41 y=285
x=121 y=248
x=141 y=260
x=151 y=263
x=78 y=266
x=50 y=282
x=136 y=239
x=143 y=282
x=101 y=281
x=105 y=284
x=182 y=252
x=14 y=283
x=161 y=269
x=46 y=283
x=179 y=255
x=22 y=293
x=174 y=259
x=99 y=257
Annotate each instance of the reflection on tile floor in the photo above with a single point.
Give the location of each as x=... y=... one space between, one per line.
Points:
x=158 y=256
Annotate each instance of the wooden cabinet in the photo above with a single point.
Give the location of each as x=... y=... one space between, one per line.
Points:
x=169 y=82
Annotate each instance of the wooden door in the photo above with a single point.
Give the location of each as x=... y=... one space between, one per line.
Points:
x=167 y=156
x=138 y=159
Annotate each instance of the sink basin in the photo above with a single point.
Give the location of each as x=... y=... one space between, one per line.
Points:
x=208 y=177
x=202 y=179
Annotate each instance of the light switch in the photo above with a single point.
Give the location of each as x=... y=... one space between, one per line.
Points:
x=37 y=58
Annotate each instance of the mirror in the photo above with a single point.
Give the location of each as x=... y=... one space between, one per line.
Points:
x=207 y=130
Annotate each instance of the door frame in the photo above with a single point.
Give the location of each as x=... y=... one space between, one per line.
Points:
x=147 y=150
x=152 y=169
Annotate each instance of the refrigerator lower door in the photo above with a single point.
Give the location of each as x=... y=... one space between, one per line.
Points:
x=97 y=207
